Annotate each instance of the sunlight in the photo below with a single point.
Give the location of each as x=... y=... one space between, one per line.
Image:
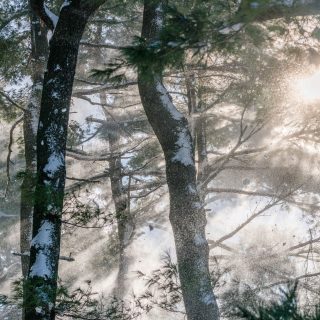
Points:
x=308 y=88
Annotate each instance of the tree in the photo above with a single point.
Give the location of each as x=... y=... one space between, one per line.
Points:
x=39 y=46
x=67 y=30
x=175 y=138
x=187 y=215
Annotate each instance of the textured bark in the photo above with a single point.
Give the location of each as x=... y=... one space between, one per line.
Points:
x=187 y=215
x=39 y=46
x=41 y=284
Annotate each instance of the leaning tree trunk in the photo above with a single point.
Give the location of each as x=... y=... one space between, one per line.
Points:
x=39 y=46
x=187 y=215
x=41 y=285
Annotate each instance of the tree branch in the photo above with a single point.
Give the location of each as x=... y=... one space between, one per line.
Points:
x=42 y=11
x=12 y=101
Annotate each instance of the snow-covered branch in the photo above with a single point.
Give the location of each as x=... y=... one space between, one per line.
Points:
x=44 y=13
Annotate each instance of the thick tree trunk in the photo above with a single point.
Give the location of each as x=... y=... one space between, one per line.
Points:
x=39 y=46
x=41 y=284
x=187 y=215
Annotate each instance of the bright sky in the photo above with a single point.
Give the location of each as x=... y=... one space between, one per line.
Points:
x=308 y=87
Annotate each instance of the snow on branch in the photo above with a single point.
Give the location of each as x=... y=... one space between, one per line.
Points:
x=27 y=254
x=46 y=15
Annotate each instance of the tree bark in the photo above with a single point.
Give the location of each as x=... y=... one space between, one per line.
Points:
x=187 y=215
x=41 y=284
x=39 y=46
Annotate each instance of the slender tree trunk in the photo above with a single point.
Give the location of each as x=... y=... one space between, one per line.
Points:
x=41 y=284
x=192 y=102
x=39 y=46
x=198 y=124
x=187 y=215
x=125 y=221
x=201 y=144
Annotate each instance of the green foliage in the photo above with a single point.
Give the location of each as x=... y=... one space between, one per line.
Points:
x=81 y=302
x=285 y=309
x=147 y=152
x=181 y=31
x=316 y=33
x=163 y=287
x=278 y=29
x=12 y=58
x=3 y=299
x=112 y=72
x=13 y=47
x=85 y=303
x=75 y=134
x=250 y=10
x=256 y=33
x=195 y=28
x=154 y=55
x=25 y=293
x=79 y=213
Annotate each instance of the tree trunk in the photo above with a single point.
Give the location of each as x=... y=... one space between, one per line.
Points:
x=198 y=123
x=41 y=284
x=125 y=221
x=201 y=143
x=187 y=215
x=39 y=46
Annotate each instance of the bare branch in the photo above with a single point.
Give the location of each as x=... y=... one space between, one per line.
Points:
x=245 y=223
x=257 y=194
x=12 y=101
x=107 y=86
x=27 y=254
x=101 y=45
x=303 y=244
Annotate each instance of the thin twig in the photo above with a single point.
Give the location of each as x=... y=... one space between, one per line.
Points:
x=12 y=101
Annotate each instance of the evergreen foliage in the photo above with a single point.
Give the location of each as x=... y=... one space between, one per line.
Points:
x=285 y=309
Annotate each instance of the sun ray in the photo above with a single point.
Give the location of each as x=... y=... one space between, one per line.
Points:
x=308 y=88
